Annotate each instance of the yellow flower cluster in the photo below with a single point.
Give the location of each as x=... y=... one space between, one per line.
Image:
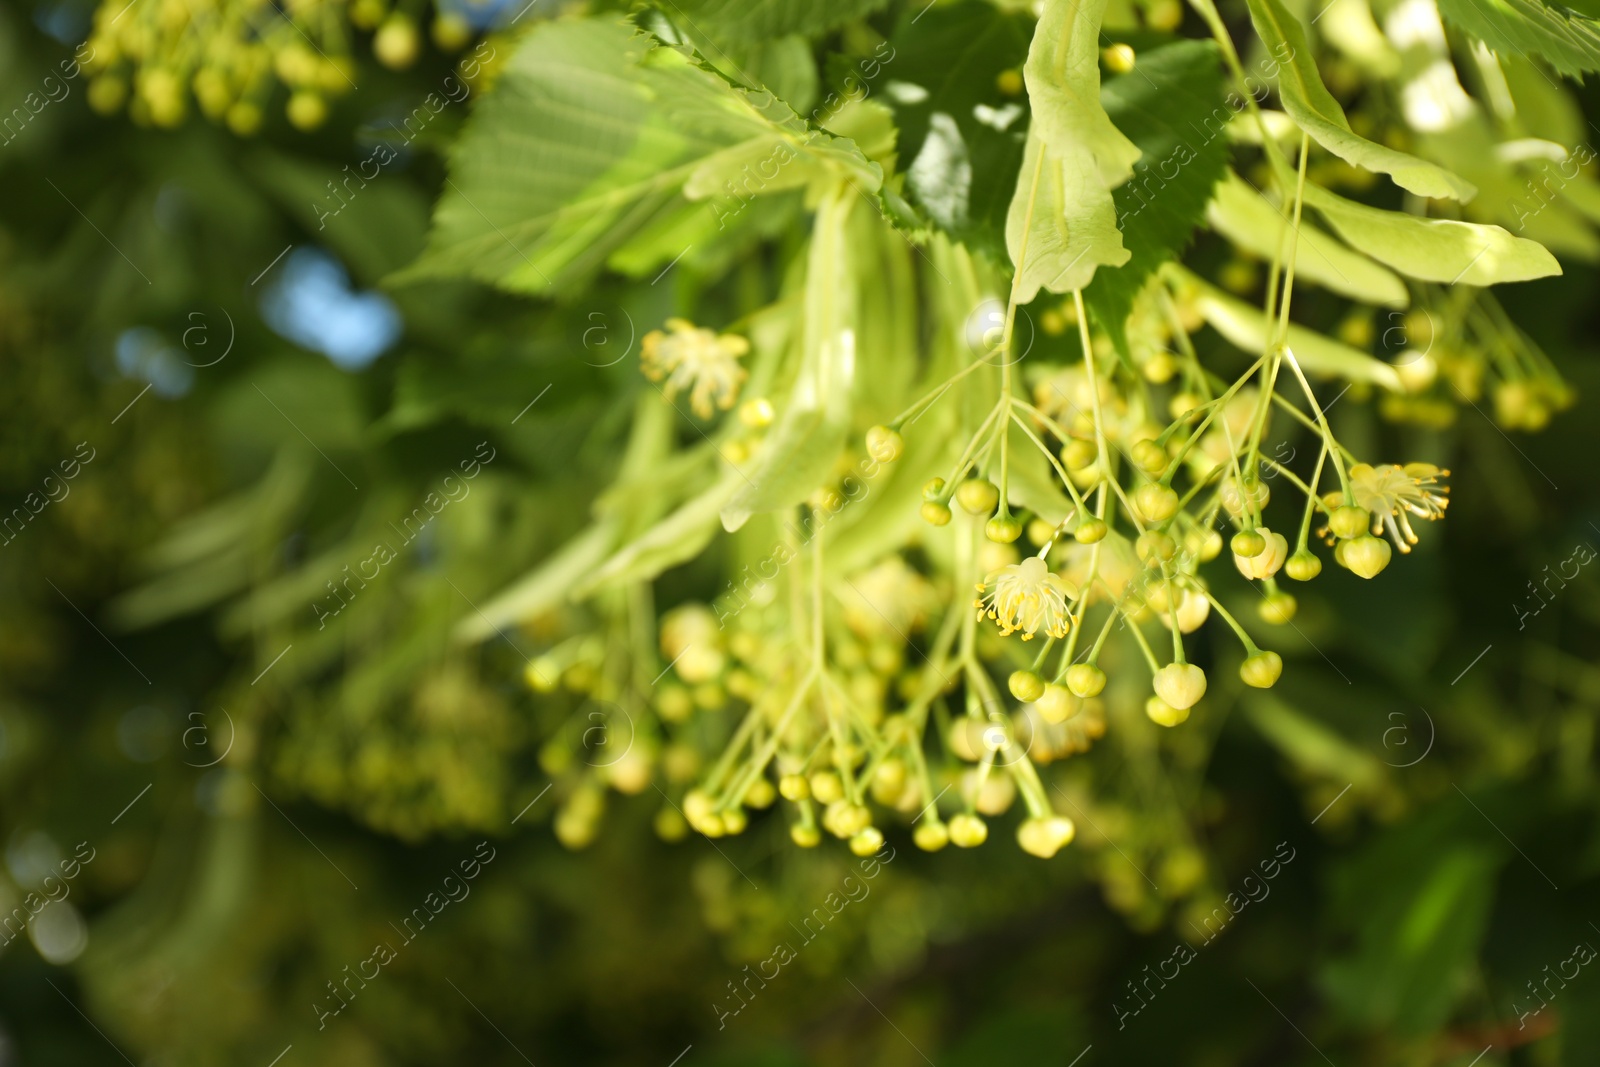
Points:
x=153 y=56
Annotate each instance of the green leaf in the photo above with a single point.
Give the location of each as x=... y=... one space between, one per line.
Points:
x=1567 y=40
x=1162 y=105
x=1247 y=328
x=1408 y=913
x=1434 y=250
x=590 y=132
x=1316 y=112
x=962 y=137
x=1244 y=216
x=804 y=445
x=761 y=20
x=1062 y=223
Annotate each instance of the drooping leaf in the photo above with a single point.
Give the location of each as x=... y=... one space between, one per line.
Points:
x=1568 y=40
x=1316 y=112
x=1162 y=104
x=1062 y=222
x=961 y=137
x=591 y=131
x=1246 y=327
x=1244 y=216
x=1433 y=250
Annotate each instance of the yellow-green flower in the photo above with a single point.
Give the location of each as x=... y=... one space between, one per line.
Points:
x=696 y=359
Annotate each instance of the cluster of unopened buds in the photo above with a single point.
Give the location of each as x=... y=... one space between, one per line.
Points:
x=151 y=56
x=837 y=720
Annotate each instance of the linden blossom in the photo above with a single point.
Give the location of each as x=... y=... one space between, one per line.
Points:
x=383 y=553
x=383 y=954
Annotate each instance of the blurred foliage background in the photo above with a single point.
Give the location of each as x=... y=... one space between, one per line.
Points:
x=264 y=800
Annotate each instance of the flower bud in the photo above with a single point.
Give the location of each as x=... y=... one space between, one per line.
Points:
x=804 y=835
x=1155 y=545
x=1349 y=522
x=933 y=489
x=1261 y=670
x=866 y=842
x=884 y=444
x=977 y=496
x=1026 y=686
x=1091 y=530
x=734 y=821
x=1303 y=566
x=1163 y=714
x=826 y=787
x=935 y=513
x=1156 y=502
x=756 y=412
x=1057 y=704
x=1148 y=456
x=1085 y=679
x=930 y=835
x=968 y=831
x=1119 y=58
x=1180 y=684
x=1277 y=608
x=1367 y=555
x=395 y=44
x=1045 y=837
x=1002 y=528
x=1248 y=543
x=1078 y=454
x=1268 y=562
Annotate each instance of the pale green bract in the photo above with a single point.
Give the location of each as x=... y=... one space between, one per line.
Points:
x=1434 y=250
x=1062 y=223
x=1316 y=112
x=1247 y=328
x=1244 y=216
